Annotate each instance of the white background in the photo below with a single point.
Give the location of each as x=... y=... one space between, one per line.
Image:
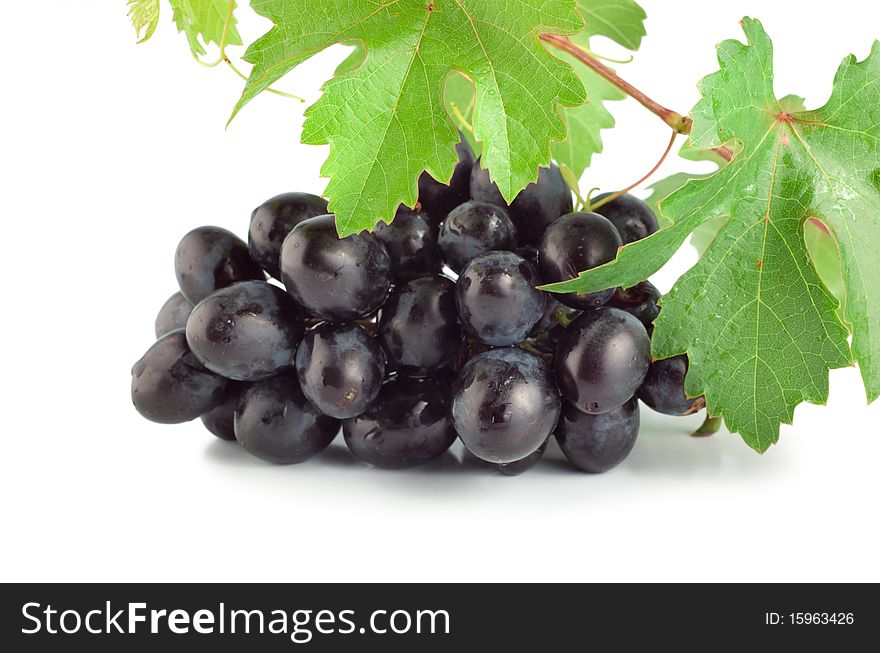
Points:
x=110 y=151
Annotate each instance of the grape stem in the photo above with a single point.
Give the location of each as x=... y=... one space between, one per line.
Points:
x=680 y=124
x=709 y=427
x=699 y=404
x=525 y=345
x=613 y=196
x=563 y=319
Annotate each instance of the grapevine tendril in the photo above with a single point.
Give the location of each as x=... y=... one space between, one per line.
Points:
x=613 y=196
x=223 y=58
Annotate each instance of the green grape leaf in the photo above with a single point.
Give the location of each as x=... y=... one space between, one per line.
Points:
x=793 y=104
x=354 y=59
x=585 y=122
x=703 y=235
x=144 y=16
x=825 y=255
x=662 y=189
x=202 y=21
x=385 y=122
x=759 y=326
x=821 y=245
x=458 y=98
x=622 y=21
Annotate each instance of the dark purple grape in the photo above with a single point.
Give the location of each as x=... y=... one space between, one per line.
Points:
x=632 y=217
x=534 y=208
x=221 y=420
x=169 y=385
x=340 y=369
x=419 y=327
x=437 y=199
x=663 y=387
x=272 y=220
x=596 y=443
x=518 y=467
x=274 y=421
x=498 y=302
x=574 y=243
x=515 y=468
x=211 y=258
x=639 y=301
x=408 y=424
x=411 y=241
x=504 y=405
x=469 y=348
x=601 y=359
x=335 y=279
x=474 y=228
x=173 y=314
x=245 y=332
x=482 y=188
x=529 y=253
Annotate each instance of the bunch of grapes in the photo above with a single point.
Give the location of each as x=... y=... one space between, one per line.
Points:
x=429 y=329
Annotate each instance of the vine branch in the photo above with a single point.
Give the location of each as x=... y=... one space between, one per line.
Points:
x=680 y=124
x=709 y=427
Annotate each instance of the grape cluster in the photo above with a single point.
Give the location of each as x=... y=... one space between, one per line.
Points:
x=428 y=330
